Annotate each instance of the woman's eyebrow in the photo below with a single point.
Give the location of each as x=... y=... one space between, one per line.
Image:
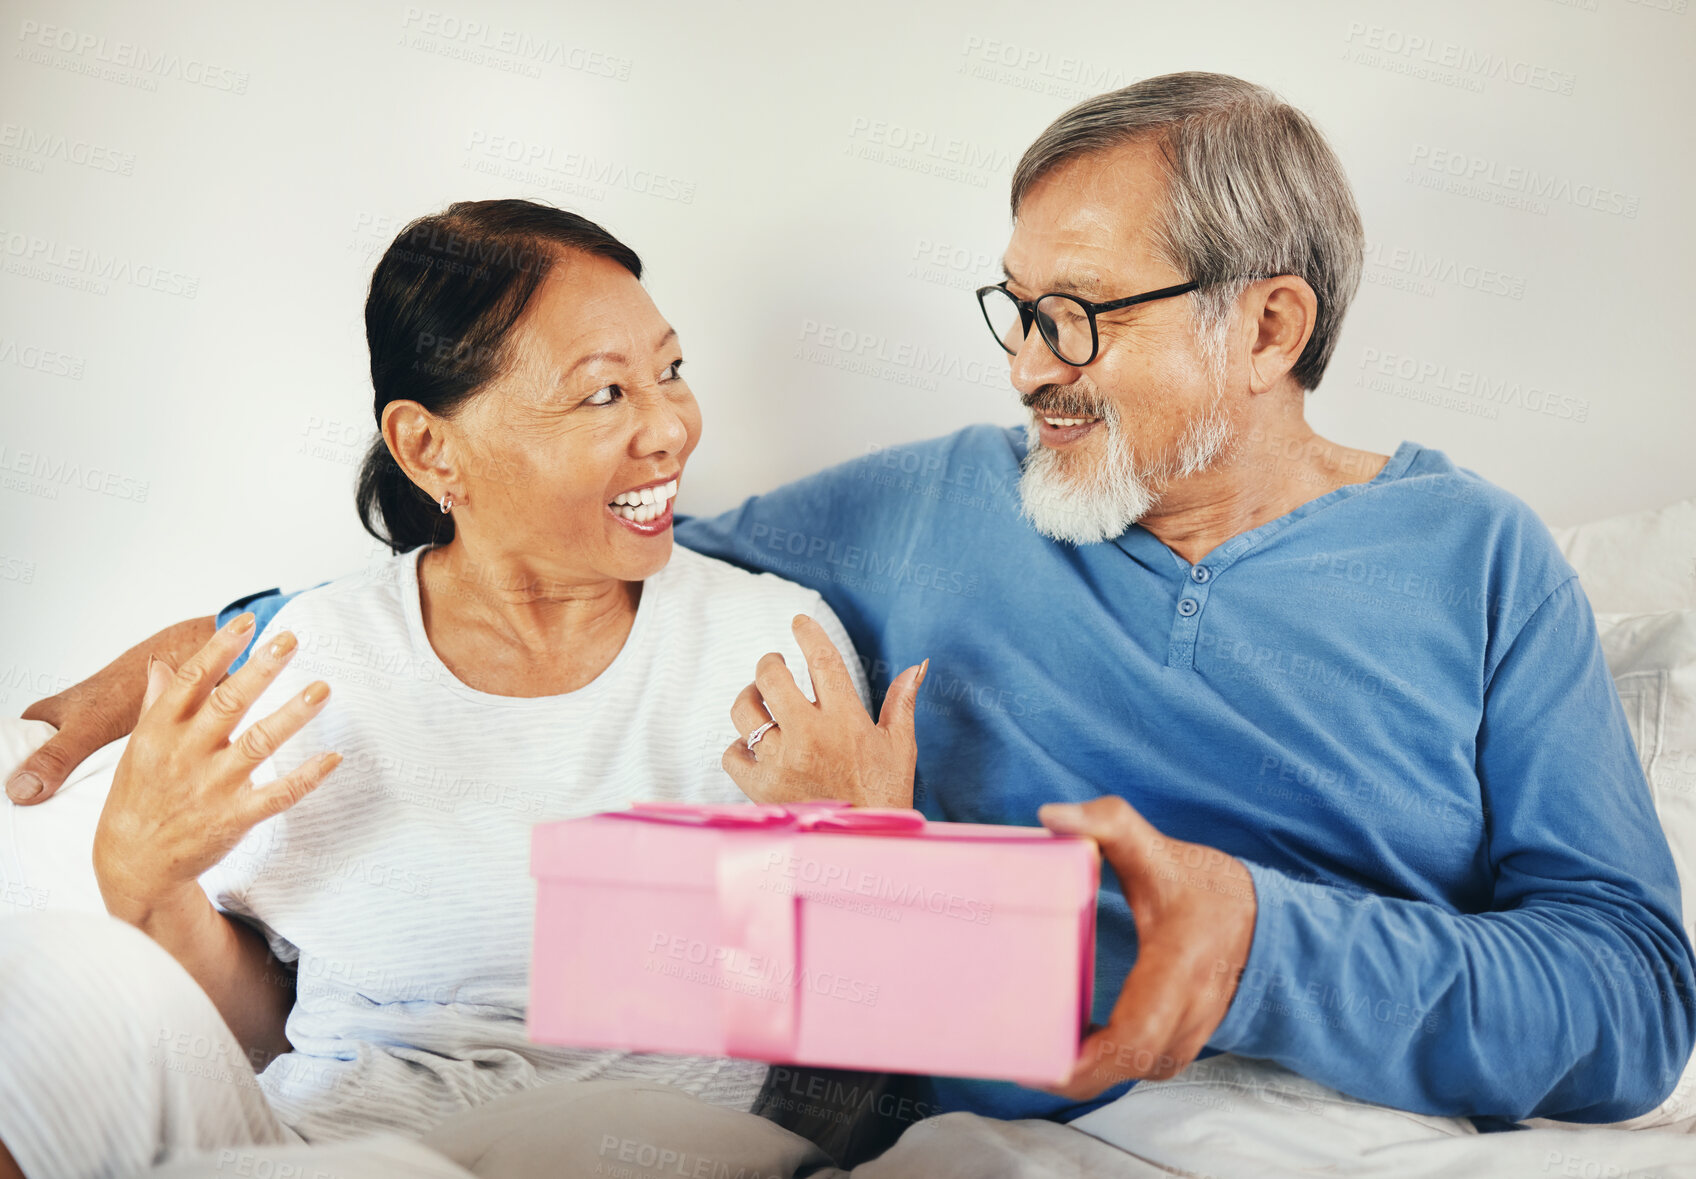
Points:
x=616 y=357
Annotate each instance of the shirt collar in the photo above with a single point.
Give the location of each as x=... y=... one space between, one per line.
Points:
x=1143 y=547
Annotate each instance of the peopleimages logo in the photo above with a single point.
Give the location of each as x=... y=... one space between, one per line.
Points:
x=1473 y=175
x=1462 y=60
x=30 y=147
x=1423 y=269
x=84 y=268
x=149 y=63
x=882 y=569
x=1503 y=392
x=37 y=473
x=544 y=163
x=512 y=50
x=950 y=265
x=809 y=874
x=900 y=361
x=764 y=976
x=41 y=360
x=926 y=151
x=1029 y=68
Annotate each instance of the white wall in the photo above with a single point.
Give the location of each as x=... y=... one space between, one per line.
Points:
x=185 y=428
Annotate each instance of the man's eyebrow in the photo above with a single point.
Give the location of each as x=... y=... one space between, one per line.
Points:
x=1083 y=284
x=616 y=357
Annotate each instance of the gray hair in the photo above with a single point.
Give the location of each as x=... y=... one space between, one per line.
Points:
x=1252 y=188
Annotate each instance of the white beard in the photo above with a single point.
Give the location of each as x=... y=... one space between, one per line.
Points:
x=1100 y=503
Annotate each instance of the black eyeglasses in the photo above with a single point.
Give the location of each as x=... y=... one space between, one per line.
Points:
x=1066 y=322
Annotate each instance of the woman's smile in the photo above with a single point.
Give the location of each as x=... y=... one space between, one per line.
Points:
x=646 y=510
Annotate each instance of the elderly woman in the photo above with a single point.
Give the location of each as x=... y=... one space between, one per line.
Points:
x=347 y=878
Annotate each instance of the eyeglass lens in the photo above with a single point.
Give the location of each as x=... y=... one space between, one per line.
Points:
x=1063 y=322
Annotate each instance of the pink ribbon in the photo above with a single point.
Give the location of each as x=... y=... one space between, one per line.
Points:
x=757 y=923
x=824 y=815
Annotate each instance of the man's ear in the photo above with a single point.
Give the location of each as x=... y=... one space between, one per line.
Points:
x=1284 y=312
x=418 y=441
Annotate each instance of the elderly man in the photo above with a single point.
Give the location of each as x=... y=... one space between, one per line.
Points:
x=1369 y=795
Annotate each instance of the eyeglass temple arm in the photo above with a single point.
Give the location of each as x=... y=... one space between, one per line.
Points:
x=1166 y=292
x=1162 y=293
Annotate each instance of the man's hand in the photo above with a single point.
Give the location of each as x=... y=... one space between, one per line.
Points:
x=1194 y=908
x=97 y=711
x=828 y=748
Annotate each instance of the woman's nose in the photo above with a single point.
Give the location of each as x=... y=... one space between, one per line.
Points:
x=662 y=427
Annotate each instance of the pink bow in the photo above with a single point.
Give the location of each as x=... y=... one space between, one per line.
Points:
x=824 y=815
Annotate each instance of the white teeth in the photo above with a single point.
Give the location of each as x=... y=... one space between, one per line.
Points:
x=1067 y=421
x=645 y=504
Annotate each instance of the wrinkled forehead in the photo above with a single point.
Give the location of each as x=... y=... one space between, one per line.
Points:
x=1084 y=227
x=587 y=303
x=586 y=309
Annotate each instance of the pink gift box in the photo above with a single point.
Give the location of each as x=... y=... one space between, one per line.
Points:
x=815 y=934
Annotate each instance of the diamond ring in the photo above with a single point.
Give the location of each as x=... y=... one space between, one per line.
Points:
x=758 y=734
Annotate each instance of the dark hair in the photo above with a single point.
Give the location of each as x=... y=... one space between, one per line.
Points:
x=439 y=319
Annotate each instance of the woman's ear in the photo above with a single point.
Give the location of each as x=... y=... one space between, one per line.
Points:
x=418 y=441
x=1285 y=314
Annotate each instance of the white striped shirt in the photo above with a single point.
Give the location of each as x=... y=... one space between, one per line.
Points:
x=401 y=885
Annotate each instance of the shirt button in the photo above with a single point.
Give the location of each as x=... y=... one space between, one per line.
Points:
x=1187 y=606
x=1200 y=573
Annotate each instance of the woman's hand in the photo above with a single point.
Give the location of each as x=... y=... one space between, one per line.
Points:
x=182 y=795
x=828 y=748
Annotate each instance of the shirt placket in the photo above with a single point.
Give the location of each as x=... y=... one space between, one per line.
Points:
x=1194 y=592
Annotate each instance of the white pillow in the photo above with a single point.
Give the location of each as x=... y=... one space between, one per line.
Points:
x=46 y=851
x=1640 y=563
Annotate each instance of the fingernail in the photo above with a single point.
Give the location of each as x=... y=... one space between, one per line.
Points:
x=1061 y=816
x=281 y=645
x=24 y=786
x=315 y=693
x=923 y=669
x=242 y=624
x=151 y=660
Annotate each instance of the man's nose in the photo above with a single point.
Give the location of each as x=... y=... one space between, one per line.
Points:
x=1035 y=365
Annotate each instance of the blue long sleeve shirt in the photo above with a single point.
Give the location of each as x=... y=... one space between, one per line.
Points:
x=1390 y=703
